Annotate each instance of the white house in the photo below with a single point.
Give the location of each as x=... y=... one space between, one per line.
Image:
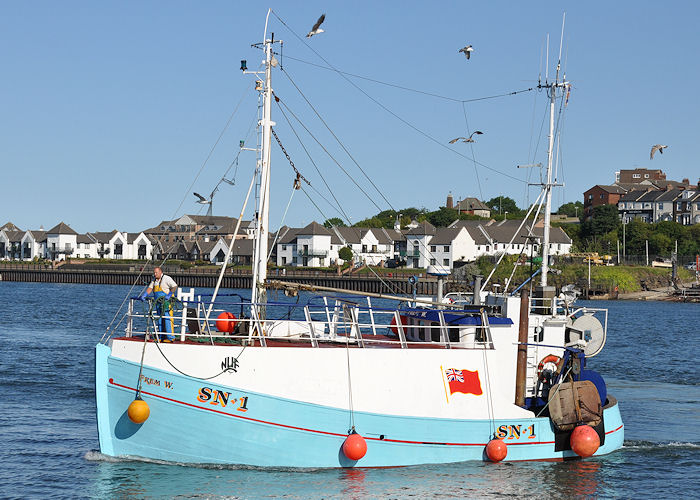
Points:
x=33 y=245
x=61 y=242
x=310 y=246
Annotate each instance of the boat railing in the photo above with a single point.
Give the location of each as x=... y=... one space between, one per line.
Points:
x=334 y=321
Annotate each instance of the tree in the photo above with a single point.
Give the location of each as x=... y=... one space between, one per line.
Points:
x=334 y=221
x=571 y=209
x=442 y=217
x=605 y=219
x=345 y=253
x=502 y=204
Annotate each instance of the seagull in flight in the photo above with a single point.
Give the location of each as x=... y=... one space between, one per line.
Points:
x=656 y=147
x=316 y=29
x=467 y=139
x=467 y=51
x=202 y=199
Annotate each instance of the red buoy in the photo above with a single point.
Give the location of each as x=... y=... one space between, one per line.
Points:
x=225 y=322
x=584 y=441
x=496 y=450
x=354 y=446
x=393 y=327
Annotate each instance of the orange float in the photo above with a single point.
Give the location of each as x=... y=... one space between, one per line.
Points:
x=354 y=446
x=496 y=450
x=138 y=411
x=584 y=441
x=225 y=322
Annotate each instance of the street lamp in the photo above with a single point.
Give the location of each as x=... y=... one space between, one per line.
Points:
x=624 y=238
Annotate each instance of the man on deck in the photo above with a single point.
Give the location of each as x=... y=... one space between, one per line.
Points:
x=164 y=286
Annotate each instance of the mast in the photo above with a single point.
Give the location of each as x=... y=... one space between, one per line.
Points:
x=259 y=293
x=552 y=90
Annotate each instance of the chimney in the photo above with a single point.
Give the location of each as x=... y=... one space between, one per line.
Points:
x=668 y=187
x=450 y=201
x=686 y=182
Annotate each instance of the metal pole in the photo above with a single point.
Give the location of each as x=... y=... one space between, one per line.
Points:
x=521 y=363
x=624 y=239
x=646 y=244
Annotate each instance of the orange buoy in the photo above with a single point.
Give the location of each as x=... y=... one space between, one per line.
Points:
x=354 y=446
x=138 y=411
x=225 y=322
x=496 y=450
x=584 y=441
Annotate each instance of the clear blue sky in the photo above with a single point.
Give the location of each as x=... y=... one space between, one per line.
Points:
x=110 y=109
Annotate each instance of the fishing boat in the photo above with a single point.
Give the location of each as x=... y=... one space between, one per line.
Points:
x=343 y=380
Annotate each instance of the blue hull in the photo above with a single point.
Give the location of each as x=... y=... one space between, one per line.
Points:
x=195 y=421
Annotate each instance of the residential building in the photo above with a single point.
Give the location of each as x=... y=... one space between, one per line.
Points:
x=473 y=206
x=61 y=241
x=601 y=195
x=639 y=175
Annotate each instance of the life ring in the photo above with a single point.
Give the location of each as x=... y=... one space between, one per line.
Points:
x=550 y=358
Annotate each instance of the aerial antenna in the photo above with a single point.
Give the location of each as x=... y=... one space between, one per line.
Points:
x=561 y=40
x=546 y=66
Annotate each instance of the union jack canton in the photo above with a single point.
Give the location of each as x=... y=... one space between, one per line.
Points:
x=454 y=375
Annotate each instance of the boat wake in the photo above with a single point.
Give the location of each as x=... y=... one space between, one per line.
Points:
x=649 y=445
x=96 y=456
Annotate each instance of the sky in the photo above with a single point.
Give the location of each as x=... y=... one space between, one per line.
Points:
x=113 y=113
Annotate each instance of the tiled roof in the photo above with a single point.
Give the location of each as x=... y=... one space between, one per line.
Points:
x=61 y=228
x=424 y=227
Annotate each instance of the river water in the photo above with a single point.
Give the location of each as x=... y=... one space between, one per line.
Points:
x=48 y=433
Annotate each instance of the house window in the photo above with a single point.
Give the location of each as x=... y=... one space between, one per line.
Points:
x=590 y=197
x=374 y=248
x=364 y=248
x=646 y=176
x=446 y=248
x=487 y=248
x=636 y=176
x=602 y=196
x=284 y=260
x=433 y=262
x=322 y=261
x=679 y=204
x=433 y=248
x=446 y=262
x=294 y=260
x=284 y=247
x=661 y=206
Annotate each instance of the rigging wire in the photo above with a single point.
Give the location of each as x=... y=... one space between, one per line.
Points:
x=401 y=87
x=471 y=145
x=331 y=156
x=286 y=73
x=339 y=206
x=405 y=122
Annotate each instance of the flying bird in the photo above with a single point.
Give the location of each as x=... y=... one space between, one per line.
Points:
x=657 y=147
x=467 y=51
x=316 y=29
x=467 y=139
x=202 y=199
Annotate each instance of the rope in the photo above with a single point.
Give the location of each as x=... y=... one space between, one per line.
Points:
x=347 y=357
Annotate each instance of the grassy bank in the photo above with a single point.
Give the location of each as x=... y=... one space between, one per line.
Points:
x=626 y=278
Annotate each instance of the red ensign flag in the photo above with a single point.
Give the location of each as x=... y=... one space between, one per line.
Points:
x=464 y=381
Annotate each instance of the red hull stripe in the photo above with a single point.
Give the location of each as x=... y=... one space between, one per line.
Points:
x=242 y=417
